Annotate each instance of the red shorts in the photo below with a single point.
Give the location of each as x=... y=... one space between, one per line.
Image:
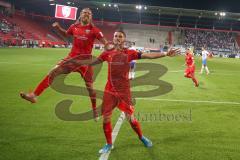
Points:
x=111 y=100
x=190 y=70
x=85 y=71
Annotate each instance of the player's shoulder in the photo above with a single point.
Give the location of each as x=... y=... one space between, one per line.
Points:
x=73 y=25
x=95 y=28
x=130 y=51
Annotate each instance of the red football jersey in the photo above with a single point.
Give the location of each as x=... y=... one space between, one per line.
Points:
x=83 y=39
x=189 y=59
x=118 y=69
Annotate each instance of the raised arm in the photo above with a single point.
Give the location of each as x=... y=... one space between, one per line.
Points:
x=60 y=30
x=170 y=53
x=103 y=41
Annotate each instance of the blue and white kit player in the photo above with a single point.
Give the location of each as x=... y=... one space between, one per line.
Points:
x=205 y=54
x=132 y=69
x=132 y=65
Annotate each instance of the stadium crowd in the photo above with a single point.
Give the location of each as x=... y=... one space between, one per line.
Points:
x=14 y=34
x=210 y=39
x=10 y=33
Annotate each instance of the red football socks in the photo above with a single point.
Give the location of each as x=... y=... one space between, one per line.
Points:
x=42 y=85
x=107 y=127
x=136 y=127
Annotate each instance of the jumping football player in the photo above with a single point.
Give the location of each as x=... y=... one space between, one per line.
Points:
x=190 y=70
x=84 y=33
x=117 y=90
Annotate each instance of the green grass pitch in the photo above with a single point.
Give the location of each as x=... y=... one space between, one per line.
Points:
x=207 y=127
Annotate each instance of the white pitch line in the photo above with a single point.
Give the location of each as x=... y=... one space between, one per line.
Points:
x=176 y=71
x=116 y=129
x=189 y=101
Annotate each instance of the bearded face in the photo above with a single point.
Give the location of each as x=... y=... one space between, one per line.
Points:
x=86 y=16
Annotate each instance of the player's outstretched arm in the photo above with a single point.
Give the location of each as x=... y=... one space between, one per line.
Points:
x=62 y=31
x=170 y=53
x=103 y=41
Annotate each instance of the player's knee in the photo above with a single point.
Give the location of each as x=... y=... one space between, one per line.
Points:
x=53 y=73
x=89 y=85
x=129 y=117
x=57 y=71
x=187 y=76
x=106 y=119
x=90 y=89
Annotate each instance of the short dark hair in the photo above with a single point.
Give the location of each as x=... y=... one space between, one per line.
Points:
x=121 y=31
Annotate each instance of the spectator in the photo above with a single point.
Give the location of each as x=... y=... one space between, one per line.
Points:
x=210 y=39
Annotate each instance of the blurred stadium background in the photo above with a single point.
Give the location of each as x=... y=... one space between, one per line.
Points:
x=28 y=24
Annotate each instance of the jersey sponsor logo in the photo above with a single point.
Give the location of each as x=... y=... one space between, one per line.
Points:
x=81 y=37
x=87 y=31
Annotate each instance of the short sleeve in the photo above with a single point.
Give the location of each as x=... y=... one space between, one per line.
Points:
x=103 y=56
x=98 y=34
x=70 y=30
x=133 y=55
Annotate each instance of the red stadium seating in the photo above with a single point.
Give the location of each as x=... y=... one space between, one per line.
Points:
x=31 y=30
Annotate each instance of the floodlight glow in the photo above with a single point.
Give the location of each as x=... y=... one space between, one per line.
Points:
x=115 y=5
x=104 y=4
x=109 y=5
x=145 y=8
x=139 y=7
x=222 y=14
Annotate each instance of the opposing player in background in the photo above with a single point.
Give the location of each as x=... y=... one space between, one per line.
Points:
x=132 y=65
x=132 y=69
x=205 y=55
x=190 y=64
x=84 y=33
x=117 y=90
